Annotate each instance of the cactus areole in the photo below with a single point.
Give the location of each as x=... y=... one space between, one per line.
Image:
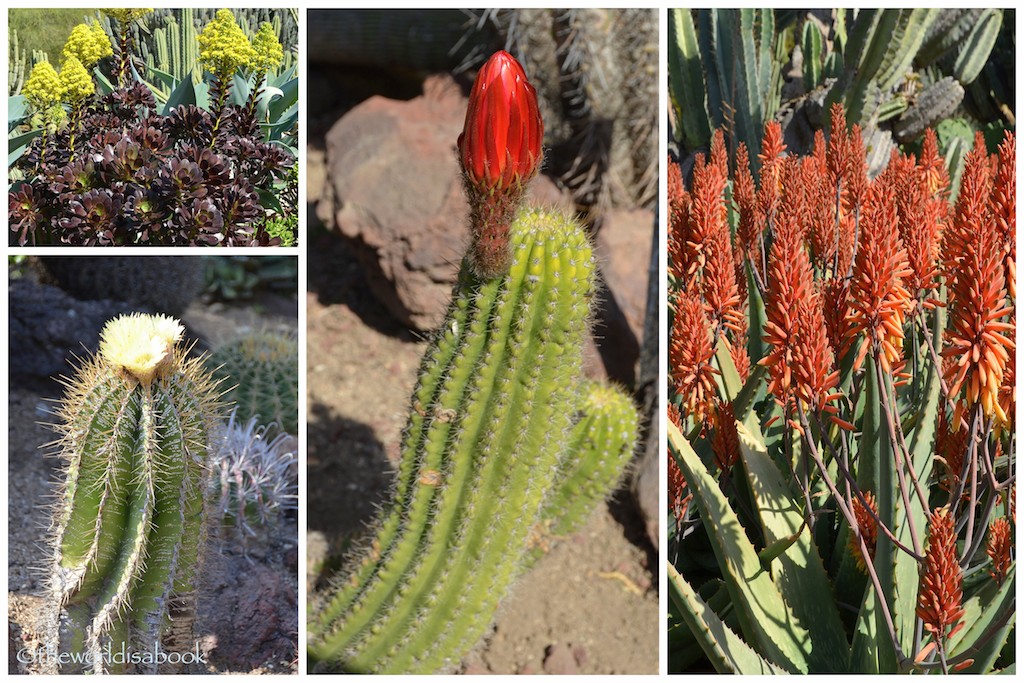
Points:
x=500 y=151
x=128 y=523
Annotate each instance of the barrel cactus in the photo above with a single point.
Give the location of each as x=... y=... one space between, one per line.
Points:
x=128 y=525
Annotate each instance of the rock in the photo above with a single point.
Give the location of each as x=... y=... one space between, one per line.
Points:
x=394 y=192
x=646 y=490
x=251 y=613
x=559 y=659
x=49 y=327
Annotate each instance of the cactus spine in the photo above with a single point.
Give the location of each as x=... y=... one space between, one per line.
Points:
x=489 y=418
x=134 y=434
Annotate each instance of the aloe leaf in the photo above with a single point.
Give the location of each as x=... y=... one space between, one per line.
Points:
x=766 y=621
x=756 y=346
x=184 y=93
x=686 y=81
x=988 y=618
x=798 y=571
x=867 y=635
x=726 y=650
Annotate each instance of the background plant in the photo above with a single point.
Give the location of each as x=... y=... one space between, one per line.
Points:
x=897 y=72
x=842 y=436
x=161 y=172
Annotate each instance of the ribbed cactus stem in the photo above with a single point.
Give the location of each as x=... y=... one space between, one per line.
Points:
x=600 y=446
x=134 y=435
x=490 y=415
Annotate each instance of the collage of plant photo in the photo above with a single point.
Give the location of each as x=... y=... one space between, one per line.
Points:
x=640 y=341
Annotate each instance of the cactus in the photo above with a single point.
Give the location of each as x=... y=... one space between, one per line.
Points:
x=129 y=522
x=490 y=414
x=261 y=371
x=15 y=65
x=736 y=51
x=253 y=480
x=597 y=451
x=847 y=473
x=933 y=104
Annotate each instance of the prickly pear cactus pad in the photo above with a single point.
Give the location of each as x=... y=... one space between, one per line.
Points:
x=128 y=524
x=491 y=416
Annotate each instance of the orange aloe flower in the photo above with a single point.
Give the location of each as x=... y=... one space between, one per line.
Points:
x=998 y=547
x=677 y=498
x=771 y=158
x=750 y=224
x=879 y=300
x=940 y=595
x=725 y=441
x=690 y=354
x=678 y=222
x=1004 y=209
x=868 y=526
x=979 y=338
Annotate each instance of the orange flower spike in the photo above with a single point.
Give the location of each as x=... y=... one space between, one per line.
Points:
x=750 y=225
x=1007 y=397
x=857 y=170
x=837 y=155
x=879 y=301
x=725 y=442
x=918 y=225
x=868 y=526
x=690 y=354
x=677 y=498
x=998 y=547
x=772 y=149
x=940 y=595
x=719 y=155
x=933 y=166
x=679 y=221
x=1004 y=208
x=979 y=339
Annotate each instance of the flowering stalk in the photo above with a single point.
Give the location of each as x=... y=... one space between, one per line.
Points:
x=500 y=152
x=223 y=48
x=124 y=18
x=268 y=55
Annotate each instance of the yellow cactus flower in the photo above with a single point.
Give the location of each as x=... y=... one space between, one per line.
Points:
x=43 y=87
x=267 y=47
x=223 y=47
x=75 y=82
x=141 y=344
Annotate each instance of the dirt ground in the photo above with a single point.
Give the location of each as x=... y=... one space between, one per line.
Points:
x=589 y=606
x=247 y=618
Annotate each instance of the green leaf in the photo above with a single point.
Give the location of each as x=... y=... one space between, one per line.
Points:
x=726 y=650
x=183 y=94
x=686 y=81
x=867 y=636
x=974 y=52
x=767 y=623
x=289 y=98
x=798 y=571
x=988 y=618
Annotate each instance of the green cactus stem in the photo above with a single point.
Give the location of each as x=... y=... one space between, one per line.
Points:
x=600 y=446
x=490 y=416
x=134 y=426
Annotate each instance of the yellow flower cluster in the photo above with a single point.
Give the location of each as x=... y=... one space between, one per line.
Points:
x=88 y=43
x=43 y=87
x=127 y=15
x=75 y=82
x=223 y=47
x=268 y=49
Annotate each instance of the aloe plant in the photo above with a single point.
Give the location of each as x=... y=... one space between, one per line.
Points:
x=841 y=385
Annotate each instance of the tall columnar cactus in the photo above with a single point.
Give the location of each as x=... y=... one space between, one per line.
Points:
x=491 y=413
x=128 y=525
x=260 y=371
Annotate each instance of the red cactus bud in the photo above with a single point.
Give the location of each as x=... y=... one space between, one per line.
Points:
x=500 y=151
x=500 y=145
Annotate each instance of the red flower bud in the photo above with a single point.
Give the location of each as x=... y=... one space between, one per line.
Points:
x=500 y=145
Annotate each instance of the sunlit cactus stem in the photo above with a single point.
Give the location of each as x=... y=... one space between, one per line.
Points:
x=491 y=415
x=129 y=521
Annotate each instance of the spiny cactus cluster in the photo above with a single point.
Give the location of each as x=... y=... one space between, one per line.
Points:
x=504 y=444
x=254 y=476
x=260 y=370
